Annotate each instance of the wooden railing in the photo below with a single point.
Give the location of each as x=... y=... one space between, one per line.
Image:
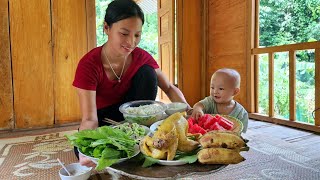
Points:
x=291 y=49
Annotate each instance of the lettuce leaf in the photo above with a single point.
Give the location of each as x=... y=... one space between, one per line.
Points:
x=106 y=143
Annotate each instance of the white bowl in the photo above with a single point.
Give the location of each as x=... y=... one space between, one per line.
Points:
x=176 y=107
x=78 y=172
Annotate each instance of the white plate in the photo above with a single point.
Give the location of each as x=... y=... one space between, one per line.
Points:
x=153 y=128
x=155 y=125
x=95 y=160
x=171 y=163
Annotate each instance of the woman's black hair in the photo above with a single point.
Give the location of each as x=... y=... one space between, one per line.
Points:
x=122 y=9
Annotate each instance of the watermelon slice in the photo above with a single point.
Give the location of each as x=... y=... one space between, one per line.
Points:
x=216 y=126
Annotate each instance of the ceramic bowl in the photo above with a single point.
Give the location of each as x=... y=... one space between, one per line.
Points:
x=176 y=107
x=78 y=172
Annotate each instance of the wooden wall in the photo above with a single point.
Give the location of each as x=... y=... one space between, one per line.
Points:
x=227 y=42
x=70 y=43
x=36 y=75
x=47 y=39
x=6 y=94
x=189 y=49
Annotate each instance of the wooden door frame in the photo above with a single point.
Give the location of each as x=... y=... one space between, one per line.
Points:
x=191 y=56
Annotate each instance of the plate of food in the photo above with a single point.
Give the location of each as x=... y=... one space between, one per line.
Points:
x=214 y=122
x=237 y=124
x=168 y=144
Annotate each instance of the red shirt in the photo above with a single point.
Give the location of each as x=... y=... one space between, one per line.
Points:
x=90 y=75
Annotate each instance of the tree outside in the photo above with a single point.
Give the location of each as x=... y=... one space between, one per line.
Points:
x=149 y=36
x=289 y=22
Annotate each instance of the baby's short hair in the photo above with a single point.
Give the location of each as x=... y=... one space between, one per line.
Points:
x=232 y=73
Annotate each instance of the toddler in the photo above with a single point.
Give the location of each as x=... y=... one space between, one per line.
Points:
x=225 y=84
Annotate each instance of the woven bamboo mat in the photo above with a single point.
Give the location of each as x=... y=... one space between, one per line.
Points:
x=34 y=157
x=276 y=153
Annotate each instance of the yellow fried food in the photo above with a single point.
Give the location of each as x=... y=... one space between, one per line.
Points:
x=171 y=135
x=168 y=123
x=219 y=156
x=184 y=143
x=162 y=146
x=222 y=139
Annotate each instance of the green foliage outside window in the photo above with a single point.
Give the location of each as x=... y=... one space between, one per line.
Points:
x=149 y=36
x=289 y=22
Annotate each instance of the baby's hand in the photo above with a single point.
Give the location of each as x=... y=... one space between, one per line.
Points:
x=197 y=113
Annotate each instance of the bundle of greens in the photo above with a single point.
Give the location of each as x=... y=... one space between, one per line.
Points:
x=105 y=143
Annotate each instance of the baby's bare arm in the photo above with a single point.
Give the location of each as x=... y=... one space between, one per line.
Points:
x=197 y=110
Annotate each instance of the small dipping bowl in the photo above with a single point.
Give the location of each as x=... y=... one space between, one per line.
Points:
x=77 y=171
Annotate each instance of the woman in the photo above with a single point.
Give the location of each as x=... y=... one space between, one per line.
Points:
x=118 y=71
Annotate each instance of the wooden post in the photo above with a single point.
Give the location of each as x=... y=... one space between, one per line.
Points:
x=91 y=24
x=292 y=85
x=256 y=57
x=271 y=84
x=317 y=86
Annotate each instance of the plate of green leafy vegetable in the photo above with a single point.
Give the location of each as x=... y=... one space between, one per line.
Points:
x=105 y=145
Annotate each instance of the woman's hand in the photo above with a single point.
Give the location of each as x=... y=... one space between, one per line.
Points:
x=86 y=161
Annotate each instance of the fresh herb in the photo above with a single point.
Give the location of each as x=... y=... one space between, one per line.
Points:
x=149 y=161
x=105 y=143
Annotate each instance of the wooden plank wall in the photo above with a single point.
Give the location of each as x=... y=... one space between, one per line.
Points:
x=189 y=48
x=6 y=94
x=30 y=28
x=47 y=39
x=70 y=44
x=227 y=48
